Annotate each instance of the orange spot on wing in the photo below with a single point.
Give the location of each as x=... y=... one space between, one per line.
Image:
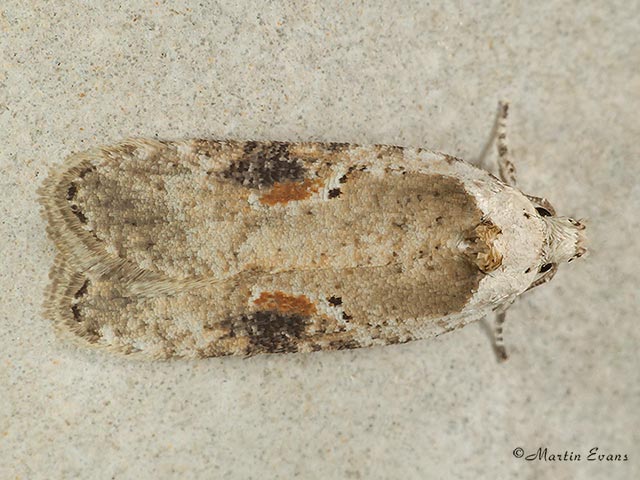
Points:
x=281 y=302
x=290 y=191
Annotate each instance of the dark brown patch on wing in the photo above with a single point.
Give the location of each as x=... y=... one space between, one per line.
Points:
x=89 y=324
x=75 y=310
x=72 y=191
x=269 y=331
x=334 y=301
x=72 y=194
x=334 y=193
x=264 y=164
x=83 y=290
x=75 y=209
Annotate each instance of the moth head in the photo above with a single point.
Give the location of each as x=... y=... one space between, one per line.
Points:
x=565 y=240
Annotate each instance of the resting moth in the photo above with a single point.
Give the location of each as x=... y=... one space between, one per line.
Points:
x=205 y=248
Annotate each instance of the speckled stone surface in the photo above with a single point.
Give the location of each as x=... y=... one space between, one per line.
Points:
x=400 y=72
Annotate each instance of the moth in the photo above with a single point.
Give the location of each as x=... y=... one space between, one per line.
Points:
x=205 y=248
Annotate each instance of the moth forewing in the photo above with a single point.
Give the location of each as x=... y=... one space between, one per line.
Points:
x=207 y=248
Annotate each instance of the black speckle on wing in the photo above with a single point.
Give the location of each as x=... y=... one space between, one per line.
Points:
x=263 y=164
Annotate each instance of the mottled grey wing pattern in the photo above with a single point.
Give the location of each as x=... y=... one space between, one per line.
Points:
x=207 y=248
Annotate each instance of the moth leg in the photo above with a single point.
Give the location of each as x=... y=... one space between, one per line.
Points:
x=498 y=338
x=484 y=154
x=506 y=168
x=498 y=327
x=494 y=330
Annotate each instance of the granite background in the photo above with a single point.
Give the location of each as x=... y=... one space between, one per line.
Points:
x=74 y=74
